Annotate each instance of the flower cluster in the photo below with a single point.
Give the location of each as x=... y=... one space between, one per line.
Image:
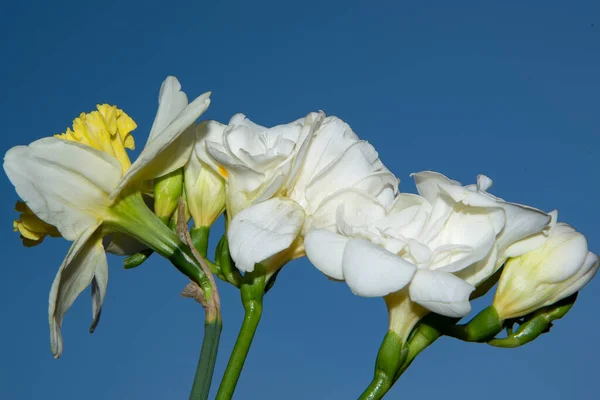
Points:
x=310 y=187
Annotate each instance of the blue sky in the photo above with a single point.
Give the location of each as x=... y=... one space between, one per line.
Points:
x=506 y=88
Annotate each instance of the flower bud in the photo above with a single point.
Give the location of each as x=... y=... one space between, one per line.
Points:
x=205 y=189
x=167 y=190
x=552 y=272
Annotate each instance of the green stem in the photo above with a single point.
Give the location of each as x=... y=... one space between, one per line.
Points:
x=379 y=386
x=252 y=291
x=483 y=327
x=131 y=216
x=390 y=357
x=208 y=356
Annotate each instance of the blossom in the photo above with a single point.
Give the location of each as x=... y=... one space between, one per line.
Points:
x=561 y=266
x=307 y=169
x=83 y=183
x=422 y=244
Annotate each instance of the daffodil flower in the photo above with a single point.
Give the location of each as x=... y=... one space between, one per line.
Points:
x=284 y=180
x=82 y=183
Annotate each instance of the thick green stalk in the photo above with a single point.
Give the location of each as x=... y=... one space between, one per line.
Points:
x=390 y=357
x=131 y=216
x=483 y=327
x=252 y=291
x=427 y=331
x=208 y=357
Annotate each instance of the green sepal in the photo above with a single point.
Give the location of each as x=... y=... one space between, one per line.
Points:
x=535 y=324
x=226 y=263
x=427 y=331
x=137 y=259
x=272 y=280
x=483 y=327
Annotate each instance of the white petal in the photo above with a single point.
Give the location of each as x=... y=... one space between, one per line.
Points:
x=169 y=149
x=99 y=284
x=331 y=139
x=263 y=230
x=372 y=271
x=382 y=185
x=483 y=182
x=428 y=183
x=532 y=242
x=407 y=216
x=563 y=255
x=325 y=250
x=171 y=101
x=208 y=131
x=477 y=273
x=585 y=274
x=64 y=183
x=441 y=292
x=85 y=257
x=467 y=237
x=356 y=204
x=241 y=177
x=357 y=162
x=311 y=123
x=521 y=222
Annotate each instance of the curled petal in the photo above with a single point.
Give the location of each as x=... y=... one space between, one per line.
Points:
x=263 y=230
x=85 y=257
x=428 y=184
x=441 y=292
x=356 y=205
x=357 y=162
x=171 y=101
x=372 y=271
x=169 y=149
x=325 y=250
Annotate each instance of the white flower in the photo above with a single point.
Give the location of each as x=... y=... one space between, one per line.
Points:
x=85 y=193
x=520 y=222
x=205 y=189
x=331 y=167
x=259 y=162
x=422 y=244
x=561 y=266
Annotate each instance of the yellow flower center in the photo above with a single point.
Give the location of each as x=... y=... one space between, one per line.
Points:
x=32 y=229
x=108 y=129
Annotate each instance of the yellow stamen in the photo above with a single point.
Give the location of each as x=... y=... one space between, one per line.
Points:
x=223 y=172
x=32 y=229
x=108 y=129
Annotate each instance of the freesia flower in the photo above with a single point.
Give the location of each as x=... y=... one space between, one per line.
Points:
x=82 y=183
x=561 y=266
x=283 y=180
x=413 y=253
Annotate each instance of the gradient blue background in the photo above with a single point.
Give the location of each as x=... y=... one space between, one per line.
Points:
x=497 y=87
